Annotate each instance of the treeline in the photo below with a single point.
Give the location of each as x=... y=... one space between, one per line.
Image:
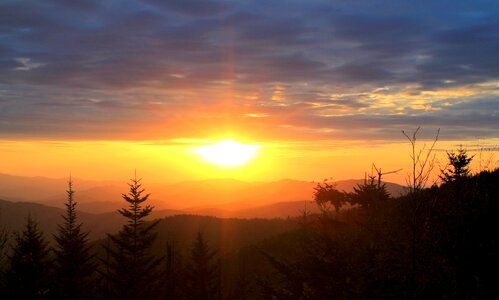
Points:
x=435 y=243
x=179 y=257
x=121 y=267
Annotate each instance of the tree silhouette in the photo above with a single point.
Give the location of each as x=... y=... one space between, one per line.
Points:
x=73 y=261
x=132 y=270
x=4 y=237
x=456 y=253
x=422 y=161
x=202 y=272
x=459 y=166
x=325 y=194
x=173 y=272
x=28 y=276
x=368 y=194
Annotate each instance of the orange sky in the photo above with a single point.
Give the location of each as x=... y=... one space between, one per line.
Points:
x=176 y=160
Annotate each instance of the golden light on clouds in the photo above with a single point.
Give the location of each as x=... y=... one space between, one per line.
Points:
x=278 y=94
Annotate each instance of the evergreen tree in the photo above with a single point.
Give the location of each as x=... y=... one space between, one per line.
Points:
x=132 y=271
x=459 y=166
x=369 y=194
x=172 y=272
x=73 y=261
x=29 y=270
x=202 y=273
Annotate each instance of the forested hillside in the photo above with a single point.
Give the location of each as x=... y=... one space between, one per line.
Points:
x=439 y=242
x=436 y=243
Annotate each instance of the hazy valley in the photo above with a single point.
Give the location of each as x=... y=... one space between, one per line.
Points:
x=219 y=197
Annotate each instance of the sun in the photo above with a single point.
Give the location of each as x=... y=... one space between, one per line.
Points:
x=227 y=153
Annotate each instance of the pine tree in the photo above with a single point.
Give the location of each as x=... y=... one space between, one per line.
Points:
x=369 y=194
x=202 y=272
x=459 y=166
x=28 y=276
x=132 y=271
x=73 y=260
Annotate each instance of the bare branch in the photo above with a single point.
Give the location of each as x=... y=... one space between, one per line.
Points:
x=422 y=161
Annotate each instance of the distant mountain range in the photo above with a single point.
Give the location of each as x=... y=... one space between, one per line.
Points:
x=216 y=197
x=225 y=234
x=43 y=199
x=13 y=216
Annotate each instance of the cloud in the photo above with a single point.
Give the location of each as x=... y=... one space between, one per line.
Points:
x=193 y=7
x=337 y=64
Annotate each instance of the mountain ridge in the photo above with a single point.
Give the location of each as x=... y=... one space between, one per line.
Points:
x=227 y=196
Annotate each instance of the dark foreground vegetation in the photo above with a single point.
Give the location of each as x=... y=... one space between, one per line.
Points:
x=434 y=243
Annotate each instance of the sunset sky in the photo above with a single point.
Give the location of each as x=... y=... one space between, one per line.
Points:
x=321 y=88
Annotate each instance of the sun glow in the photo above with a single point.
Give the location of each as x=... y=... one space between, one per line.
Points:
x=227 y=153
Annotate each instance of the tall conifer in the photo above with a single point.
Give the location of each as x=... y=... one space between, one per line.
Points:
x=202 y=272
x=28 y=275
x=73 y=260
x=132 y=271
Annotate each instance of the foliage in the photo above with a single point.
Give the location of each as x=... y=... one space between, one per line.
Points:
x=325 y=194
x=73 y=261
x=28 y=275
x=4 y=238
x=202 y=273
x=380 y=248
x=459 y=166
x=368 y=194
x=456 y=248
x=172 y=279
x=132 y=270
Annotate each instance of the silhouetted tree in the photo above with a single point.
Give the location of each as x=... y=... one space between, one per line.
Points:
x=202 y=272
x=368 y=194
x=445 y=247
x=4 y=235
x=28 y=276
x=316 y=262
x=422 y=161
x=173 y=272
x=371 y=197
x=458 y=166
x=326 y=193
x=421 y=169
x=73 y=261
x=132 y=270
